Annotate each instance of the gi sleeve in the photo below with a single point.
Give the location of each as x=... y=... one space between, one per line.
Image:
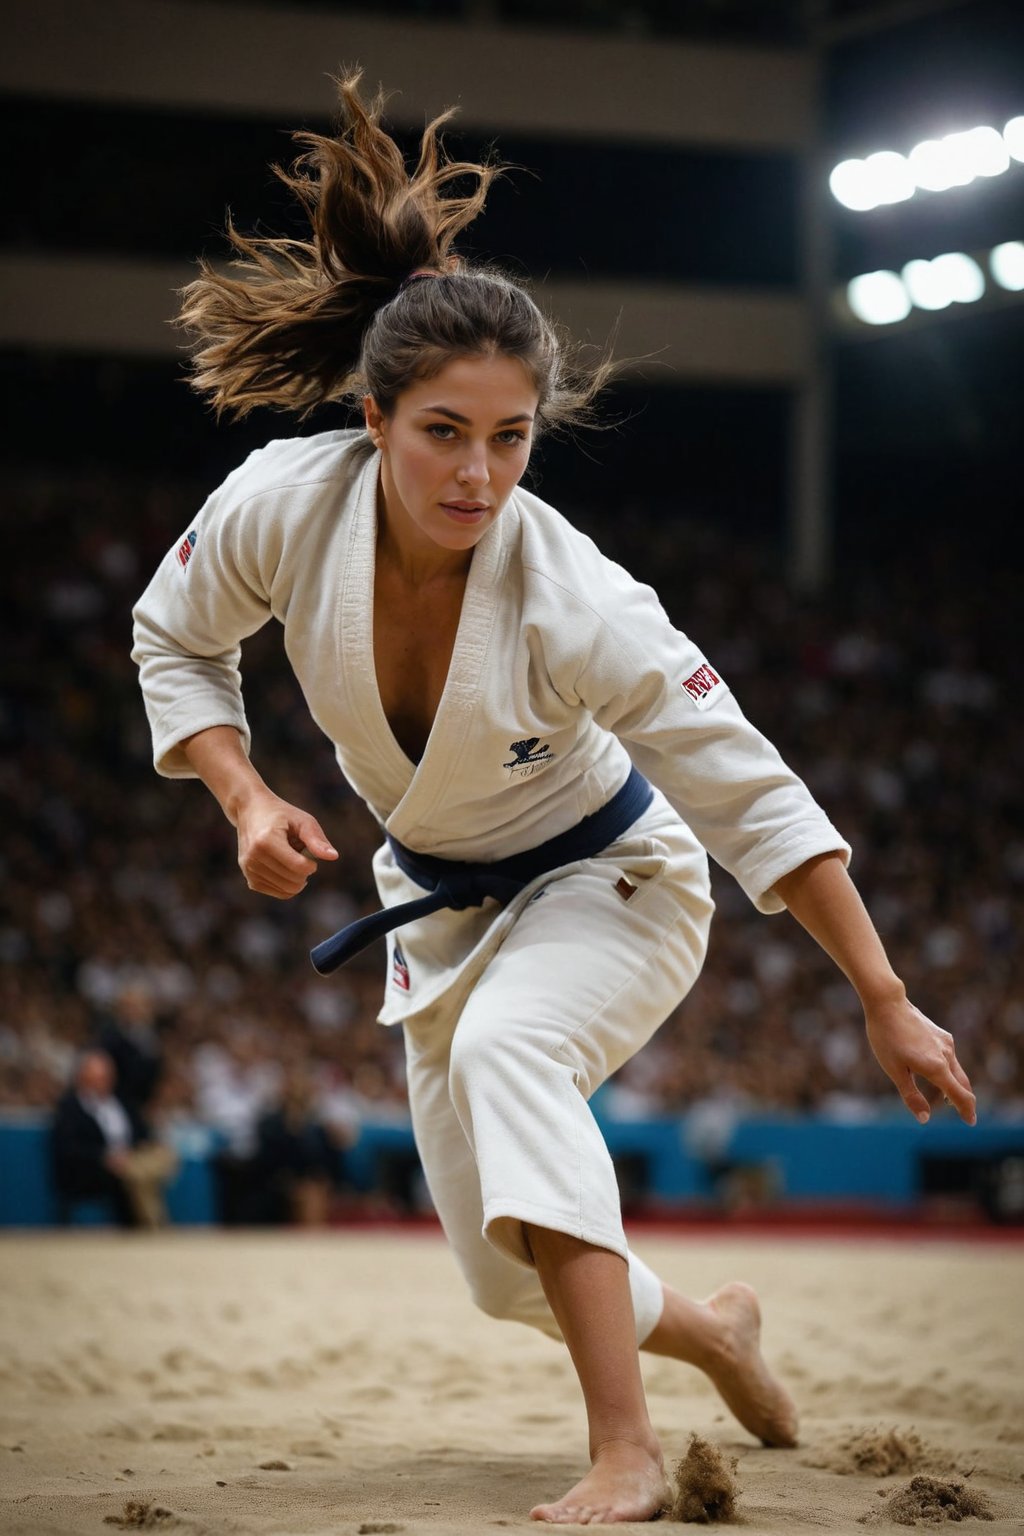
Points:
x=649 y=684
x=208 y=594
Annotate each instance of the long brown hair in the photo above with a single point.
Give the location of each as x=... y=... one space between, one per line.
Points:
x=377 y=297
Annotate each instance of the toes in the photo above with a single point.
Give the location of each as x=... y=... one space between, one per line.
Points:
x=560 y=1514
x=782 y=1436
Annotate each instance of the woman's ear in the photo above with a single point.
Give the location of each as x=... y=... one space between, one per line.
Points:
x=374 y=417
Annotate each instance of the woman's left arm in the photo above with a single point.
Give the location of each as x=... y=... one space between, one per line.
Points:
x=824 y=900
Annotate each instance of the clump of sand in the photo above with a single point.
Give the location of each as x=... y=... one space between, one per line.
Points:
x=875 y=1452
x=930 y=1501
x=141 y=1515
x=706 y=1490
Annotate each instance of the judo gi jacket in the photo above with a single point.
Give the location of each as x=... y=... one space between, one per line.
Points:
x=564 y=668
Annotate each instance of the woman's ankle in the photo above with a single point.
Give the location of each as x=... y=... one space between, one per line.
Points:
x=643 y=1445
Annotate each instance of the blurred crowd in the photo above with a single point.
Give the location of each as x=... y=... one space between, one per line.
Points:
x=125 y=923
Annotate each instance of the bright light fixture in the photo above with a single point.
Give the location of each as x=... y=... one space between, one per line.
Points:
x=925 y=286
x=930 y=166
x=850 y=185
x=878 y=298
x=1006 y=263
x=986 y=152
x=1013 y=137
x=934 y=165
x=889 y=177
x=959 y=162
x=885 y=298
x=954 y=278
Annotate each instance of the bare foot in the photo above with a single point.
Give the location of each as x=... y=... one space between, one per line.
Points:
x=738 y=1370
x=626 y=1482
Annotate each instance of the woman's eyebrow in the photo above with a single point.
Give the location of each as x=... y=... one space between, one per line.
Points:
x=442 y=410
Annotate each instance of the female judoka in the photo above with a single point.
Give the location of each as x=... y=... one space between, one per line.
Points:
x=548 y=758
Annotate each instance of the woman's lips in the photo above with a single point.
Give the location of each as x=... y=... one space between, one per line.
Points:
x=465 y=512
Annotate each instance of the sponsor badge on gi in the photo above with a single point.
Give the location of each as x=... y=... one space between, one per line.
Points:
x=704 y=686
x=185 y=548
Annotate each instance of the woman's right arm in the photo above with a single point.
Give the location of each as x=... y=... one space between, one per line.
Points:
x=278 y=844
x=208 y=594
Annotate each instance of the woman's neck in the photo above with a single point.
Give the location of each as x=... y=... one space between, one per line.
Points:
x=408 y=555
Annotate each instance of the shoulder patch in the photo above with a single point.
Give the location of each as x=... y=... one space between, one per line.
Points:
x=185 y=548
x=704 y=686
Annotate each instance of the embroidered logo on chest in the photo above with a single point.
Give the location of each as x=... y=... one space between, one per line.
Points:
x=527 y=757
x=704 y=686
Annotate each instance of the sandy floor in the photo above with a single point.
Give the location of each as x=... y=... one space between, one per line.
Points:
x=342 y=1383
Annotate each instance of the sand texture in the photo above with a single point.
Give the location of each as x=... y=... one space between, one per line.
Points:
x=342 y=1383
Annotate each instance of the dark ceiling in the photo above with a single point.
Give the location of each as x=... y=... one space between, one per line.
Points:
x=754 y=22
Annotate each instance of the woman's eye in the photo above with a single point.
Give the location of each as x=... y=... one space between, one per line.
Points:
x=441 y=432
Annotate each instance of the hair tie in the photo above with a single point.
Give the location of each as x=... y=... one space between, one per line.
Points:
x=417 y=274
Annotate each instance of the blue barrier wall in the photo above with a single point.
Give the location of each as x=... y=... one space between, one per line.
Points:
x=813 y=1159
x=27 y=1197
x=809 y=1159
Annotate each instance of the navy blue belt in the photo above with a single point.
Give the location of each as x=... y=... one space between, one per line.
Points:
x=452 y=883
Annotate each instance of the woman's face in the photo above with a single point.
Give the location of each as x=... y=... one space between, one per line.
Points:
x=453 y=450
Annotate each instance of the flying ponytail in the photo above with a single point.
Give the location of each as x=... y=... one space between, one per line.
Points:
x=295 y=323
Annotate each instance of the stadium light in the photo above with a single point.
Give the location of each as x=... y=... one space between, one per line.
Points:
x=950 y=279
x=885 y=298
x=1006 y=264
x=850 y=186
x=934 y=165
x=889 y=176
x=987 y=152
x=878 y=298
x=931 y=166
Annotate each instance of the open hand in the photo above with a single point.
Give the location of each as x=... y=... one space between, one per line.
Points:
x=908 y=1045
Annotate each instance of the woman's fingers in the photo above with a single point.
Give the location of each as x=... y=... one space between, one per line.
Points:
x=956 y=1086
x=268 y=886
x=307 y=835
x=912 y=1096
x=277 y=876
x=950 y=1080
x=278 y=853
x=909 y=1046
x=960 y=1074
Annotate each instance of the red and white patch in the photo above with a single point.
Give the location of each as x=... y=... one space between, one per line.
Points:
x=704 y=686
x=399 y=969
x=185 y=548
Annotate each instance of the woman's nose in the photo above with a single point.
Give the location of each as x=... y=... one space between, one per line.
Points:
x=473 y=468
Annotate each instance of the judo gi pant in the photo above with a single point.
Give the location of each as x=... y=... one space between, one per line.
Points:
x=499 y=1087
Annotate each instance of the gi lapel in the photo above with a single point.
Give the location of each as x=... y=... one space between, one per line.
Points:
x=421 y=786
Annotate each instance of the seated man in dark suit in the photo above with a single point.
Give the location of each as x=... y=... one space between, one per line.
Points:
x=102 y=1150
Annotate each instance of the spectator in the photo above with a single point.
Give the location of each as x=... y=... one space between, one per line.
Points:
x=235 y=1082
x=298 y=1163
x=102 y=1149
x=129 y=1036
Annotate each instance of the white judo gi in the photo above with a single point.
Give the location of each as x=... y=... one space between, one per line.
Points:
x=564 y=668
